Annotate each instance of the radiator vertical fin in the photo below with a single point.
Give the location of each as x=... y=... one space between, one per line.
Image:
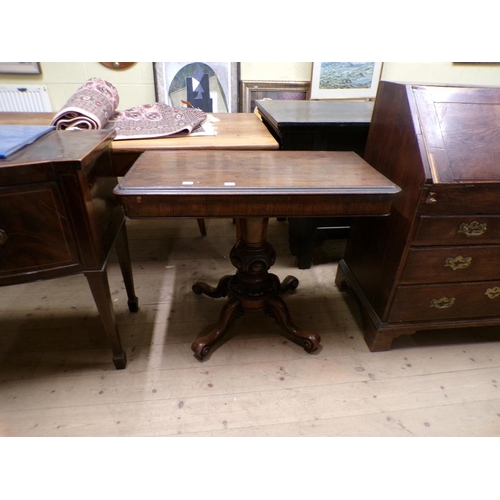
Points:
x=24 y=98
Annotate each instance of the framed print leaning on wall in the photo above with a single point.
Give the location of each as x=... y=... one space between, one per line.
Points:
x=209 y=86
x=253 y=90
x=345 y=80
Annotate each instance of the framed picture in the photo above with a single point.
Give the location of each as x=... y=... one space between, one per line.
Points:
x=20 y=68
x=209 y=86
x=252 y=90
x=345 y=80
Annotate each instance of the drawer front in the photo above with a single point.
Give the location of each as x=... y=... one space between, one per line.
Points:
x=457 y=230
x=452 y=264
x=34 y=231
x=440 y=302
x=461 y=198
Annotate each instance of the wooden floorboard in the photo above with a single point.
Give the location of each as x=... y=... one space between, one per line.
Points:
x=57 y=378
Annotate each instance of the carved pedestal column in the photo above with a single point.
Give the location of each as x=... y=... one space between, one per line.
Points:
x=252 y=287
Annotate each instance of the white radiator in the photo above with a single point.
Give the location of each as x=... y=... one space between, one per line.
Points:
x=21 y=98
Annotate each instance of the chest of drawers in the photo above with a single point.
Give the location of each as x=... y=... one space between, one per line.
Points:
x=59 y=216
x=435 y=262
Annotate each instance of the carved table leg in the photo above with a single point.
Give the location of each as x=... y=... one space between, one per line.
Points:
x=202 y=346
x=216 y=292
x=290 y=283
x=277 y=308
x=252 y=287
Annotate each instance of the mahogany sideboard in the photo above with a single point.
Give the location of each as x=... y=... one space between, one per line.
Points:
x=435 y=262
x=58 y=216
x=317 y=126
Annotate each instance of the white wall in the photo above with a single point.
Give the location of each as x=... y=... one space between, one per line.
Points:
x=442 y=72
x=135 y=85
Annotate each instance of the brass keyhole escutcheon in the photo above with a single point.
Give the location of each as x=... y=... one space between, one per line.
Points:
x=431 y=198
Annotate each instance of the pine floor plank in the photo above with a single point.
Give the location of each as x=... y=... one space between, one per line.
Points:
x=228 y=378
x=57 y=379
x=174 y=416
x=476 y=419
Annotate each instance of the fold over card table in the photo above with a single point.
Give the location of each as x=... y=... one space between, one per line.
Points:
x=251 y=187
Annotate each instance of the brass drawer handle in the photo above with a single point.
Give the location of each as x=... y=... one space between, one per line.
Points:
x=3 y=236
x=459 y=262
x=443 y=302
x=492 y=293
x=473 y=228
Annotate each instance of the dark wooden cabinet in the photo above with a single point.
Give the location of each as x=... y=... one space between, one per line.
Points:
x=317 y=126
x=59 y=216
x=434 y=263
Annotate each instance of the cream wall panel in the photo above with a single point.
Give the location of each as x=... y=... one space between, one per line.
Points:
x=63 y=72
x=442 y=72
x=295 y=71
x=135 y=85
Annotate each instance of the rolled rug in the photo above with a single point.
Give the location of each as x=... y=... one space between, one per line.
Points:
x=89 y=108
x=159 y=120
x=93 y=106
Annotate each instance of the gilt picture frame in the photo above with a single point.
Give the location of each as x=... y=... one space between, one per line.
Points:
x=345 y=80
x=20 y=68
x=209 y=86
x=254 y=90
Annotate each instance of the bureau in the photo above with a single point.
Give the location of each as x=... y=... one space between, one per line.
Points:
x=434 y=263
x=58 y=216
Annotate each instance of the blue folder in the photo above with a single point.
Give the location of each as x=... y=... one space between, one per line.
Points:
x=15 y=137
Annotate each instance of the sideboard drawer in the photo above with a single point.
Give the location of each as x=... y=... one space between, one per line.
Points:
x=457 y=230
x=35 y=233
x=439 y=302
x=452 y=264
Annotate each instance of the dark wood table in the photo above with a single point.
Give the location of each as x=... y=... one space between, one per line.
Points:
x=317 y=126
x=252 y=186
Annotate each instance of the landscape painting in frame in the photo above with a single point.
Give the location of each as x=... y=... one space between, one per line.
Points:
x=345 y=80
x=209 y=86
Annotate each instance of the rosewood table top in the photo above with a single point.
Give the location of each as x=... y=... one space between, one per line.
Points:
x=254 y=184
